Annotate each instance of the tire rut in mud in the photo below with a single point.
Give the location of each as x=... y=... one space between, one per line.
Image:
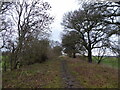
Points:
x=68 y=80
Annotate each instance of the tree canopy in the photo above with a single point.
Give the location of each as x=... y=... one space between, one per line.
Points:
x=91 y=22
x=23 y=22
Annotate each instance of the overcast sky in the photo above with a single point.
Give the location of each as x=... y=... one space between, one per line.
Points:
x=59 y=7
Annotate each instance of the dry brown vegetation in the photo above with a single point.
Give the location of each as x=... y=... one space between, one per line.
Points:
x=93 y=75
x=44 y=75
x=48 y=75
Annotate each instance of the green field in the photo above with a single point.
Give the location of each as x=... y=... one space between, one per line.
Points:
x=109 y=61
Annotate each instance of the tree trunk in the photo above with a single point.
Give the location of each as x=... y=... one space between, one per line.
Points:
x=11 y=63
x=15 y=61
x=89 y=56
x=74 y=55
x=15 y=66
x=70 y=54
x=5 y=66
x=99 y=61
x=89 y=49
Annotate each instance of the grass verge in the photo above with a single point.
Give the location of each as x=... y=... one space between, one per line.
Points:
x=93 y=75
x=44 y=75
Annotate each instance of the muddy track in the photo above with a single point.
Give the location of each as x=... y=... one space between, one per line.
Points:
x=68 y=80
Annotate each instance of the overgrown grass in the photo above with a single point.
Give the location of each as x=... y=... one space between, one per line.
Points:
x=0 y=62
x=109 y=61
x=93 y=75
x=3 y=60
x=48 y=75
x=44 y=75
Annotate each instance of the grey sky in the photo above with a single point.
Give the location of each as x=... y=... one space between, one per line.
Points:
x=59 y=7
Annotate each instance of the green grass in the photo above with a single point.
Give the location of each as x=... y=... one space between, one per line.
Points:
x=109 y=61
x=3 y=60
x=0 y=61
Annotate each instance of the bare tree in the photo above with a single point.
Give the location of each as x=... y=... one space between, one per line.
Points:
x=29 y=18
x=90 y=23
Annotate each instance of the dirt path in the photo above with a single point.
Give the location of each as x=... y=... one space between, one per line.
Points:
x=68 y=80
